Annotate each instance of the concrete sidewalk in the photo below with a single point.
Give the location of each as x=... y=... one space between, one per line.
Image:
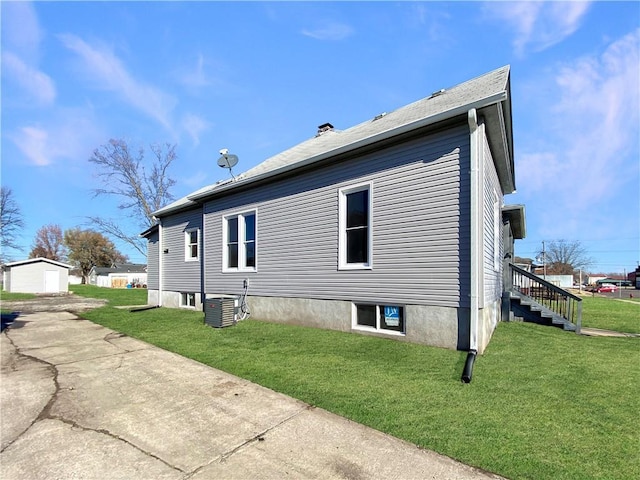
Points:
x=81 y=401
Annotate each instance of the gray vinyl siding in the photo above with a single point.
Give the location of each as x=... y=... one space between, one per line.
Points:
x=492 y=278
x=153 y=252
x=179 y=275
x=420 y=221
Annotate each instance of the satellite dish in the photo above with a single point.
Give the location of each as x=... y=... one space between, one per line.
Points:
x=228 y=160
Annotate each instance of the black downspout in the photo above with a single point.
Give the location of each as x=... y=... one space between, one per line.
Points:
x=467 y=373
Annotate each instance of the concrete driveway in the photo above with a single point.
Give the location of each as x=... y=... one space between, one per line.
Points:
x=81 y=401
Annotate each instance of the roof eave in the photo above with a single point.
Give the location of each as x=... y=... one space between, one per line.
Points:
x=148 y=231
x=516 y=216
x=500 y=138
x=37 y=259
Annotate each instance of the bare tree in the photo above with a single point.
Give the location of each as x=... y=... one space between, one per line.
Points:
x=11 y=222
x=141 y=185
x=49 y=243
x=564 y=257
x=88 y=249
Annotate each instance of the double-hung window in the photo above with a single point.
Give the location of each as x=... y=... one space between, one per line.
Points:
x=239 y=233
x=355 y=234
x=192 y=242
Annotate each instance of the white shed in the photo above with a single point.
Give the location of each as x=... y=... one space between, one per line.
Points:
x=36 y=275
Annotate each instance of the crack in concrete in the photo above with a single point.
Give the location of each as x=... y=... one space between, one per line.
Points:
x=256 y=438
x=54 y=372
x=111 y=335
x=104 y=431
x=45 y=413
x=14 y=364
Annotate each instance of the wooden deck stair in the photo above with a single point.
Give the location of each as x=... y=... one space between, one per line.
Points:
x=526 y=309
x=533 y=299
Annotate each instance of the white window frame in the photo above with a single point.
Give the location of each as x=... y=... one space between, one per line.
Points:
x=188 y=244
x=184 y=299
x=342 y=227
x=378 y=328
x=242 y=250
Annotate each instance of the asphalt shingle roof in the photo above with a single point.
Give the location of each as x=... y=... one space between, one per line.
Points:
x=479 y=92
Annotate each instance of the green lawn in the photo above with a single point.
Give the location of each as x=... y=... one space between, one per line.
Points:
x=543 y=403
x=10 y=296
x=611 y=314
x=116 y=296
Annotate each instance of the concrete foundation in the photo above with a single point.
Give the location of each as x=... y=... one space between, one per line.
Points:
x=427 y=325
x=171 y=299
x=489 y=318
x=330 y=314
x=445 y=327
x=435 y=326
x=153 y=297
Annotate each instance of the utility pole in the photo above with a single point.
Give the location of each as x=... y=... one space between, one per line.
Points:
x=580 y=281
x=544 y=262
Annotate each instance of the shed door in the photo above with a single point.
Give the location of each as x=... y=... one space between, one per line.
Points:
x=51 y=281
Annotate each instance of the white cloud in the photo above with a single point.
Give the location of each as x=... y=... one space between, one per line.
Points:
x=194 y=125
x=32 y=141
x=592 y=131
x=70 y=136
x=538 y=25
x=330 y=31
x=21 y=30
x=196 y=77
x=37 y=85
x=110 y=74
x=21 y=37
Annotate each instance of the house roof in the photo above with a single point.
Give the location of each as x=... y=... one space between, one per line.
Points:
x=38 y=259
x=124 y=268
x=149 y=231
x=489 y=94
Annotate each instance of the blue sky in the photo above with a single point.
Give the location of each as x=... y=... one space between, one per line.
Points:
x=259 y=77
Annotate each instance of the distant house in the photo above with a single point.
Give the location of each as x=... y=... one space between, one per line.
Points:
x=619 y=280
x=395 y=227
x=633 y=278
x=594 y=278
x=119 y=276
x=562 y=281
x=75 y=276
x=36 y=275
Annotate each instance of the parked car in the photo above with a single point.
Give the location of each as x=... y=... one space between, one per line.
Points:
x=606 y=288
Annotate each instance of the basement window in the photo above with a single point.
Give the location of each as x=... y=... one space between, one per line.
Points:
x=379 y=318
x=188 y=300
